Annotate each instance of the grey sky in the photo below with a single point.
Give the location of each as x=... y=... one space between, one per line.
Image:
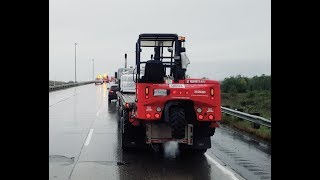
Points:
x=223 y=37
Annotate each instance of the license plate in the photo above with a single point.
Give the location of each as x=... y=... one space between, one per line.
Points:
x=160 y=92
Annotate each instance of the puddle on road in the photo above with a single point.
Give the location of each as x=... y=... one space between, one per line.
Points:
x=246 y=138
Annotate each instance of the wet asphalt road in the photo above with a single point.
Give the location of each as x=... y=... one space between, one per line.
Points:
x=83 y=145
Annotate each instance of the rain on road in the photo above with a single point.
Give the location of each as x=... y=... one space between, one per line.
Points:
x=83 y=145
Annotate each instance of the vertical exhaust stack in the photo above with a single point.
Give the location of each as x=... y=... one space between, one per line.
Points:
x=125 y=60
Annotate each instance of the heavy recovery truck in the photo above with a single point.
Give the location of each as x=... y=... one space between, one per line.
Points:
x=166 y=106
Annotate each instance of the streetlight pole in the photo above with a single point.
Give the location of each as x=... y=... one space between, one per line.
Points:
x=93 y=69
x=75 y=62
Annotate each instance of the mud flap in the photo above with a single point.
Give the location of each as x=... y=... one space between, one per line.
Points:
x=133 y=138
x=133 y=142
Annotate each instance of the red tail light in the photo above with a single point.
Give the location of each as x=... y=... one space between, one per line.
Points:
x=147 y=92
x=148 y=115
x=200 y=116
x=211 y=116
x=111 y=91
x=157 y=115
x=211 y=92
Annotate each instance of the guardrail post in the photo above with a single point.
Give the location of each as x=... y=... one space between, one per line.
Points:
x=255 y=125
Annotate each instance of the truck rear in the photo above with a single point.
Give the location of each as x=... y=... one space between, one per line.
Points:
x=166 y=106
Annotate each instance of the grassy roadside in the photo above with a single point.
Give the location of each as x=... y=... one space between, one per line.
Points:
x=253 y=102
x=250 y=102
x=261 y=133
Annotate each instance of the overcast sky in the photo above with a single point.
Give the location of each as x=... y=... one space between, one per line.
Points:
x=223 y=37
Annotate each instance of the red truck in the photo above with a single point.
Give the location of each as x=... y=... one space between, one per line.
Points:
x=166 y=106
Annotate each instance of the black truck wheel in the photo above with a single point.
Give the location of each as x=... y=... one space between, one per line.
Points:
x=177 y=122
x=125 y=131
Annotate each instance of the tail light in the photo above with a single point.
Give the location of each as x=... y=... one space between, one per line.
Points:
x=200 y=116
x=147 y=92
x=157 y=116
x=211 y=116
x=148 y=115
x=211 y=92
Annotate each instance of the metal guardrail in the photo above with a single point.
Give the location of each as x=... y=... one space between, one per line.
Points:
x=249 y=117
x=63 y=86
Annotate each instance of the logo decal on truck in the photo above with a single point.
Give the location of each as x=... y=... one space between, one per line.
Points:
x=176 y=86
x=195 y=81
x=199 y=92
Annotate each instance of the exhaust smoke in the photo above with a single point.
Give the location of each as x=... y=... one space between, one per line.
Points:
x=171 y=149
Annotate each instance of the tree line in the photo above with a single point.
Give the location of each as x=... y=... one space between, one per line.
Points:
x=241 y=84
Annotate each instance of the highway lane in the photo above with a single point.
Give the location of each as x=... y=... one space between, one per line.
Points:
x=249 y=157
x=83 y=144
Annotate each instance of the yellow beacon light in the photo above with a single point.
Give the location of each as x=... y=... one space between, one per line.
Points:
x=182 y=38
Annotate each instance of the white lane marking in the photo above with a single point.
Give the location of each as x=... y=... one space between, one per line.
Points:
x=226 y=171
x=88 y=138
x=61 y=101
x=98 y=113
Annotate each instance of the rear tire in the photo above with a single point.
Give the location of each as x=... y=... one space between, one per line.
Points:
x=132 y=136
x=124 y=130
x=178 y=122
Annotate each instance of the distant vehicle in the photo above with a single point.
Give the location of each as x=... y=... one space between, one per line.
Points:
x=122 y=71
x=112 y=79
x=98 y=80
x=110 y=84
x=105 y=78
x=127 y=83
x=113 y=92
